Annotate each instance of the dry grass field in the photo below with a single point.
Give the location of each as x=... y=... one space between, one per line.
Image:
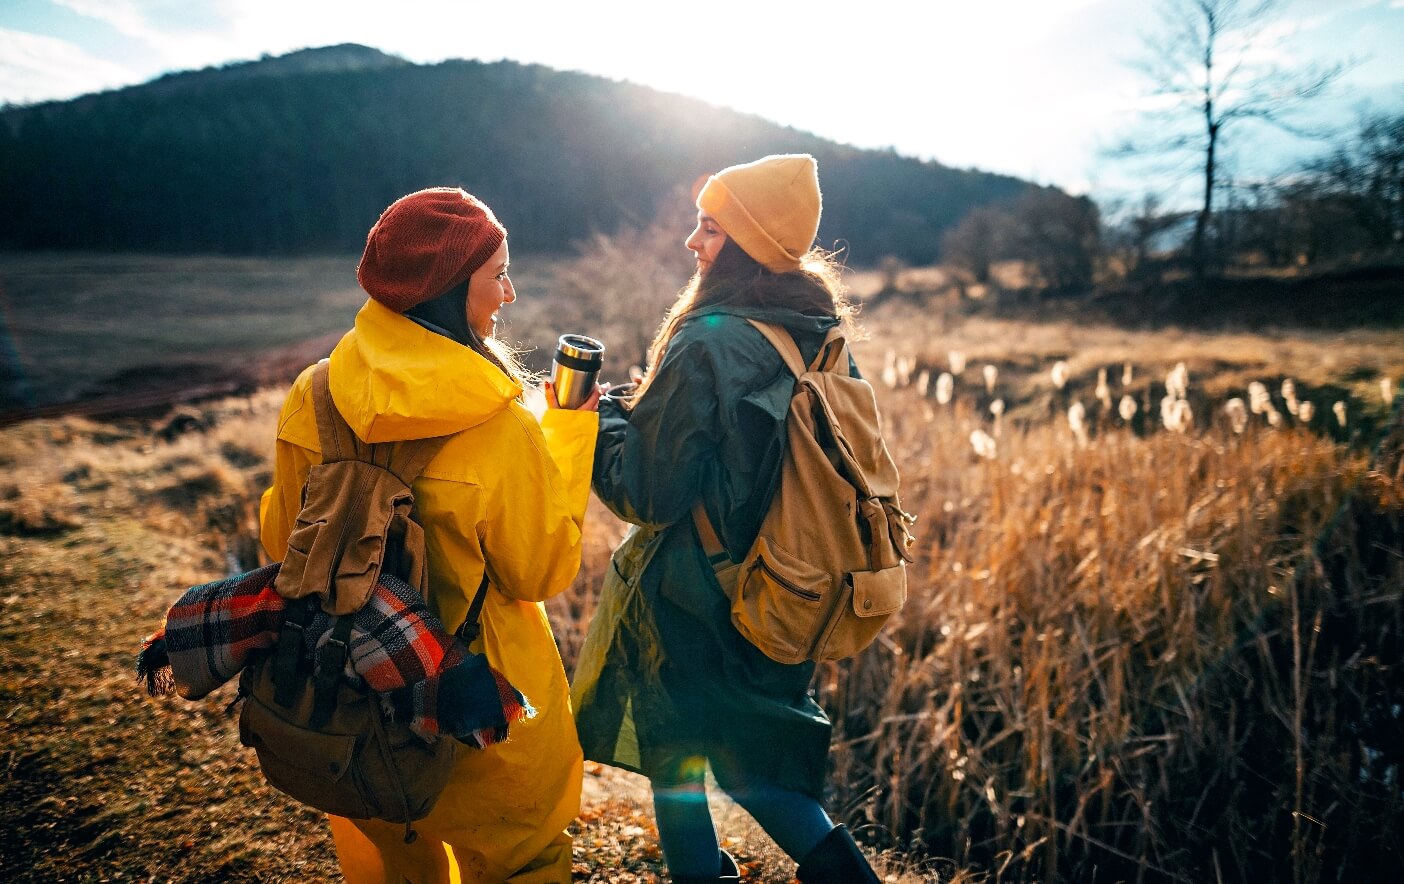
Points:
x=1159 y=644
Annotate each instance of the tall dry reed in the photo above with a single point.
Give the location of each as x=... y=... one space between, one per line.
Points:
x=1124 y=661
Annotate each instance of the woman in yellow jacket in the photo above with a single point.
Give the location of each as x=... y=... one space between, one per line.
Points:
x=507 y=494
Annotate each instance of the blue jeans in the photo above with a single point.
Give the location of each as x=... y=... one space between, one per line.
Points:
x=794 y=820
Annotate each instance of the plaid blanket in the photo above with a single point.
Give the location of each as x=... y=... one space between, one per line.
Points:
x=397 y=648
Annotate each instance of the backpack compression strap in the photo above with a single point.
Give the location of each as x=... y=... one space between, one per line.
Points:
x=472 y=628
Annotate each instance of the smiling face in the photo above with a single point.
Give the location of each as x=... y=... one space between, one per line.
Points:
x=706 y=241
x=488 y=289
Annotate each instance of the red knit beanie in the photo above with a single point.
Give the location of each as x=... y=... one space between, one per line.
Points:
x=425 y=244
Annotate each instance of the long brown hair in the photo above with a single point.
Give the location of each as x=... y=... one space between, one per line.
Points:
x=737 y=279
x=504 y=356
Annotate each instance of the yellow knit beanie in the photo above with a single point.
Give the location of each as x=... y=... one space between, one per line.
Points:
x=769 y=207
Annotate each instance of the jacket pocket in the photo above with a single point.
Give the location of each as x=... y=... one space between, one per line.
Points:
x=781 y=602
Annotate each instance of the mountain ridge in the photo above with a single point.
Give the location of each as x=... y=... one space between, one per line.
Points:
x=300 y=152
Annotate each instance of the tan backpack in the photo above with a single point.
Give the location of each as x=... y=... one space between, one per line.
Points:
x=320 y=739
x=828 y=567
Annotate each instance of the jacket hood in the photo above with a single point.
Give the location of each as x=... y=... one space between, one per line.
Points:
x=392 y=379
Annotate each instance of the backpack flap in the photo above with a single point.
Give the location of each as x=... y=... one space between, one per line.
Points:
x=878 y=593
x=337 y=545
x=858 y=438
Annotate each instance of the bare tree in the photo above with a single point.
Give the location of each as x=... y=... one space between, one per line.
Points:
x=1202 y=70
x=1367 y=175
x=1059 y=236
x=976 y=242
x=1136 y=229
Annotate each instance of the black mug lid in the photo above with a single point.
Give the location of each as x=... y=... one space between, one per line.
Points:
x=579 y=351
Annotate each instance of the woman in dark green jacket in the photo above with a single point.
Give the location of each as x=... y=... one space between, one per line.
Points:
x=665 y=684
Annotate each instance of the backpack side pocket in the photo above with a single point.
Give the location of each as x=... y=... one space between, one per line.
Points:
x=875 y=597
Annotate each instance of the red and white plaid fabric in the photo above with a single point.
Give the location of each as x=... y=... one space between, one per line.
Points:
x=397 y=647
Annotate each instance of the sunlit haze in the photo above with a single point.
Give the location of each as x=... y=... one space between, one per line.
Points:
x=1034 y=88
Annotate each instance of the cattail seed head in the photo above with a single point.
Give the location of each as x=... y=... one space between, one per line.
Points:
x=945 y=387
x=1237 y=414
x=1258 y=399
x=1077 y=422
x=1177 y=381
x=1077 y=415
x=984 y=444
x=904 y=368
x=889 y=369
x=1127 y=408
x=1176 y=414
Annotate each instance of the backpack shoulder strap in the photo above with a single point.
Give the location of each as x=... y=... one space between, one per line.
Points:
x=406 y=459
x=409 y=458
x=831 y=352
x=337 y=440
x=783 y=342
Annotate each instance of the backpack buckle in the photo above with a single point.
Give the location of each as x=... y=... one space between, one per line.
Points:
x=286 y=656
x=331 y=660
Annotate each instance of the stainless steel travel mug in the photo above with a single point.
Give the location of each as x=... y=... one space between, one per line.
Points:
x=575 y=367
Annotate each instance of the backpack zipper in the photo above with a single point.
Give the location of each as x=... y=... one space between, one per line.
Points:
x=800 y=591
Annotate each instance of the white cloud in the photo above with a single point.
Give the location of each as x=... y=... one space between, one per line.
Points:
x=37 y=68
x=123 y=16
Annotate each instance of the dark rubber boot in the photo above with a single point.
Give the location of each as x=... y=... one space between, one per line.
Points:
x=728 y=873
x=836 y=860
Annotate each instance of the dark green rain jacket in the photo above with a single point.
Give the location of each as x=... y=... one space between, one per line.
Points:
x=663 y=672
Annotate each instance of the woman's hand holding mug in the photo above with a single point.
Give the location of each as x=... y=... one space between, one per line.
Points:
x=591 y=403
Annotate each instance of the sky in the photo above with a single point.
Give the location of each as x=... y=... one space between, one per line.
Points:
x=1041 y=89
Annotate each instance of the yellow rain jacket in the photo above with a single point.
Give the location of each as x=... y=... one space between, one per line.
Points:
x=506 y=493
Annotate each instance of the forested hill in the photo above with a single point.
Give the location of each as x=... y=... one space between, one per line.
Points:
x=298 y=154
